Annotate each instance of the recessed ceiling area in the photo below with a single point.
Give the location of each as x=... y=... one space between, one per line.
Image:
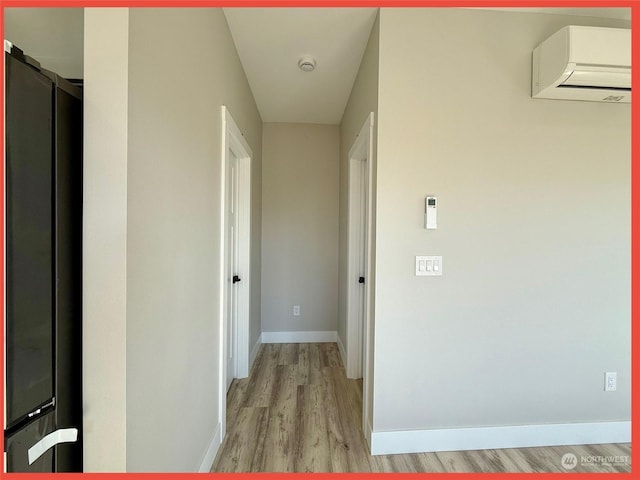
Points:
x=271 y=41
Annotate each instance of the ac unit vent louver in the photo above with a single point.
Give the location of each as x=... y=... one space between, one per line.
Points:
x=584 y=63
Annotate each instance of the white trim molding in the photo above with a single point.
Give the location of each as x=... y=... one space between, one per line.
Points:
x=299 y=337
x=484 y=438
x=254 y=351
x=343 y=352
x=212 y=450
x=367 y=432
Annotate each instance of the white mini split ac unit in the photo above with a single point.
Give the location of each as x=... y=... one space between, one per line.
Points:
x=584 y=63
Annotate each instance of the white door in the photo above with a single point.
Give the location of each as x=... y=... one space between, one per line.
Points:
x=233 y=275
x=363 y=257
x=358 y=285
x=358 y=254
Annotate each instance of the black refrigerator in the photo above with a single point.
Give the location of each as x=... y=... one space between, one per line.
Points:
x=43 y=252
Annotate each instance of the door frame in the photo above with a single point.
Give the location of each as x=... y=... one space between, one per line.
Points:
x=233 y=139
x=361 y=151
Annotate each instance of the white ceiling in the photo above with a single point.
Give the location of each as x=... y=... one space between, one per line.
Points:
x=270 y=41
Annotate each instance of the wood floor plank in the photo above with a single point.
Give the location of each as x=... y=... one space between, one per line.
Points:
x=260 y=384
x=312 y=446
x=511 y=462
x=235 y=398
x=329 y=355
x=338 y=448
x=303 y=364
x=314 y=376
x=484 y=461
x=542 y=459
x=455 y=461
x=427 y=462
x=298 y=412
x=288 y=354
x=624 y=448
x=349 y=416
x=388 y=463
x=279 y=451
x=243 y=446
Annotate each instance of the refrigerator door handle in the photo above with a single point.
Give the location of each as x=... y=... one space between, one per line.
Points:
x=45 y=443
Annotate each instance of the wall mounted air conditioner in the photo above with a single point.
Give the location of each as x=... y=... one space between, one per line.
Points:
x=584 y=63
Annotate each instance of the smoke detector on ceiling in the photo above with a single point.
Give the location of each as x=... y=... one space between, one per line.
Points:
x=307 y=64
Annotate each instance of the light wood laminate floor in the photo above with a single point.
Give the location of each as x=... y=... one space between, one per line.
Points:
x=297 y=412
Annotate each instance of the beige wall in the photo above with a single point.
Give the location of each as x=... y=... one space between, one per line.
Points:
x=53 y=36
x=533 y=226
x=362 y=101
x=300 y=226
x=104 y=256
x=152 y=231
x=177 y=85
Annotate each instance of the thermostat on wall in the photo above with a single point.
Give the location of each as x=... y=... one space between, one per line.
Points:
x=431 y=213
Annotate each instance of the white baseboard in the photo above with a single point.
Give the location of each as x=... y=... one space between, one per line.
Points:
x=343 y=352
x=299 y=337
x=483 y=438
x=367 y=434
x=254 y=351
x=212 y=450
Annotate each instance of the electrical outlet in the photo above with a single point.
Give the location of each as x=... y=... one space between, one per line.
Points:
x=610 y=381
x=296 y=310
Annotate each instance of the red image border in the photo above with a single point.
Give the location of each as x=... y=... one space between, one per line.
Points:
x=635 y=189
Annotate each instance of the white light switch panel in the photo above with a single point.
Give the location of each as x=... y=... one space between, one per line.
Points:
x=428 y=265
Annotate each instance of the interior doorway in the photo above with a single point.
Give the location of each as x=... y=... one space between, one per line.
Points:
x=235 y=256
x=359 y=259
x=359 y=209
